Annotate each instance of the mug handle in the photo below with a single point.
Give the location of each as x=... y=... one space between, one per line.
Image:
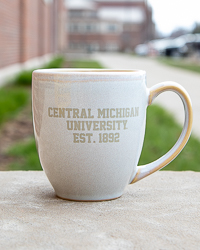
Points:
x=145 y=170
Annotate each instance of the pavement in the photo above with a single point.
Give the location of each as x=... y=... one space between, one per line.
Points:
x=161 y=211
x=156 y=73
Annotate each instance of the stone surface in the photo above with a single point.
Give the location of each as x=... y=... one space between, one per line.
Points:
x=161 y=211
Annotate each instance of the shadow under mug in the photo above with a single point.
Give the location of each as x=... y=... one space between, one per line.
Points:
x=89 y=127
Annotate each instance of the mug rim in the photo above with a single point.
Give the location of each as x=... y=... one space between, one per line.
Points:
x=92 y=71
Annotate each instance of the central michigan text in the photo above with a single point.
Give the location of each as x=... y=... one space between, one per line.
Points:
x=87 y=113
x=101 y=125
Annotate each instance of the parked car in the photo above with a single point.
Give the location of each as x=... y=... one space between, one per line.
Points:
x=156 y=47
x=142 y=50
x=183 y=46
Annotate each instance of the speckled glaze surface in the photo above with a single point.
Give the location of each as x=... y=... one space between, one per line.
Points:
x=89 y=128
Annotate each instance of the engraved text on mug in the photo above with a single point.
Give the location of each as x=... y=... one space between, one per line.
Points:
x=109 y=127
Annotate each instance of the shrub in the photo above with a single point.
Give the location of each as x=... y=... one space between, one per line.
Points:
x=57 y=62
x=24 y=78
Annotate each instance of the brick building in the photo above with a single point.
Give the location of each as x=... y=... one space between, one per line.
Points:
x=109 y=25
x=89 y=32
x=30 y=32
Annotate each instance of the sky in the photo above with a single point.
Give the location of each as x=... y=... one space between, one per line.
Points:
x=171 y=14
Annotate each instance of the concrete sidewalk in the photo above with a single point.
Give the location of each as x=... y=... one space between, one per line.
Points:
x=157 y=72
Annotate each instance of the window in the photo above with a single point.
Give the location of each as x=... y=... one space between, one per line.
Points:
x=73 y=27
x=88 y=28
x=112 y=46
x=112 y=28
x=75 y=13
x=48 y=1
x=91 y=28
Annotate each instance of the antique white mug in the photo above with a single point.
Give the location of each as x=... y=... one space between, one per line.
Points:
x=89 y=127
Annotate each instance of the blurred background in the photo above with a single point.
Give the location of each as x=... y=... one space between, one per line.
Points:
x=145 y=27
x=66 y=33
x=37 y=29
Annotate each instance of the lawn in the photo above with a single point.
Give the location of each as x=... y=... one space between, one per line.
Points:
x=162 y=131
x=12 y=100
x=161 y=134
x=181 y=63
x=85 y=64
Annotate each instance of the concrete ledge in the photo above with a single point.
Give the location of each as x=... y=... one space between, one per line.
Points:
x=8 y=72
x=159 y=212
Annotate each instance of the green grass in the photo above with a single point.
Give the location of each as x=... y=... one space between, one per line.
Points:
x=12 y=100
x=85 y=64
x=24 y=78
x=181 y=63
x=161 y=133
x=26 y=156
x=57 y=62
x=25 y=153
x=17 y=95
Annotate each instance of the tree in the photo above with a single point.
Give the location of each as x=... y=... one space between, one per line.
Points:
x=196 y=28
x=178 y=32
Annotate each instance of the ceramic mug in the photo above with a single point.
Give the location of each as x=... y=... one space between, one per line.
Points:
x=89 y=128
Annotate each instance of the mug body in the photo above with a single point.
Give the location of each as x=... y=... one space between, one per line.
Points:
x=89 y=128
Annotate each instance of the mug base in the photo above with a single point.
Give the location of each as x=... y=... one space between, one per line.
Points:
x=92 y=200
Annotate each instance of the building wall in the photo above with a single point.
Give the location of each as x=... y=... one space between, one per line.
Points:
x=93 y=34
x=94 y=42
x=133 y=33
x=9 y=32
x=30 y=29
x=61 y=24
x=129 y=32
